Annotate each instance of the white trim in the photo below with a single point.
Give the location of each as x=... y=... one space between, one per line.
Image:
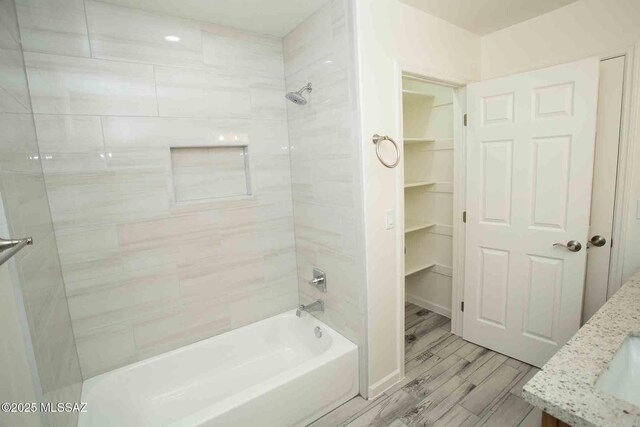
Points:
x=385 y=383
x=421 y=302
x=629 y=134
x=459 y=205
x=400 y=227
x=431 y=75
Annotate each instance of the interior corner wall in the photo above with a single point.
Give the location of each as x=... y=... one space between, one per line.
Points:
x=579 y=30
x=391 y=33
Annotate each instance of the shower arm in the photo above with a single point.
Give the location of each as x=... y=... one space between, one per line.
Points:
x=307 y=88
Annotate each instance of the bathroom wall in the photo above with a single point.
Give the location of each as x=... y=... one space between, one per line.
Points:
x=391 y=36
x=32 y=280
x=150 y=265
x=325 y=168
x=579 y=30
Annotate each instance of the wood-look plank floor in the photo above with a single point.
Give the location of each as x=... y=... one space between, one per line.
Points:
x=448 y=382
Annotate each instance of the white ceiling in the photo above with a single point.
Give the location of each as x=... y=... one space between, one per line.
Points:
x=486 y=16
x=273 y=17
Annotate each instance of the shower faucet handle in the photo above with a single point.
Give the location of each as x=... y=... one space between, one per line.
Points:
x=319 y=280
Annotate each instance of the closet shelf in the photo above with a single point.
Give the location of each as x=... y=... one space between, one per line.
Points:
x=418 y=140
x=412 y=266
x=418 y=184
x=433 y=267
x=415 y=225
x=416 y=93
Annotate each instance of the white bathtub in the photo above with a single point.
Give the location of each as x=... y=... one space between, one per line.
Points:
x=275 y=372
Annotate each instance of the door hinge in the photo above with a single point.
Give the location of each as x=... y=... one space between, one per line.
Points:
x=464 y=217
x=461 y=305
x=465 y=119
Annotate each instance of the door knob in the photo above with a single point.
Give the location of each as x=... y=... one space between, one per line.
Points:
x=572 y=245
x=597 y=240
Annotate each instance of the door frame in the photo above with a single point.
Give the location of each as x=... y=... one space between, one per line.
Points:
x=629 y=140
x=458 y=85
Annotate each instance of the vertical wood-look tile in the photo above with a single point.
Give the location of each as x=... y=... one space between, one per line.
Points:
x=493 y=406
x=434 y=378
x=483 y=395
x=425 y=342
x=510 y=412
x=437 y=349
x=414 y=368
x=486 y=369
x=346 y=412
x=466 y=350
x=385 y=411
x=478 y=359
x=438 y=403
x=450 y=349
x=456 y=416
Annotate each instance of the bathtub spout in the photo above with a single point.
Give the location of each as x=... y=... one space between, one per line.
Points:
x=314 y=306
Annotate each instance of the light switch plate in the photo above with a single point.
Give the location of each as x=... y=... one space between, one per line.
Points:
x=390 y=219
x=638 y=209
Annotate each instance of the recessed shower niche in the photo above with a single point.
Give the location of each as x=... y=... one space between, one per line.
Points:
x=201 y=173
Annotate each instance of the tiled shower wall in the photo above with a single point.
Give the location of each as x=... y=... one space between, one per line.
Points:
x=145 y=273
x=325 y=168
x=35 y=271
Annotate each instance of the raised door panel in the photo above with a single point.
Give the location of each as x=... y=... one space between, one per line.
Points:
x=495 y=198
x=497 y=109
x=493 y=287
x=553 y=101
x=542 y=298
x=551 y=158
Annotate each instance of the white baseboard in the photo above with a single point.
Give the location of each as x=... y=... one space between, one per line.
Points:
x=436 y=308
x=381 y=386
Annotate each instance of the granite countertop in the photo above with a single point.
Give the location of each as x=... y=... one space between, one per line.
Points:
x=565 y=388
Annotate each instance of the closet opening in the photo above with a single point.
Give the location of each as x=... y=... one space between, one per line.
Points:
x=431 y=205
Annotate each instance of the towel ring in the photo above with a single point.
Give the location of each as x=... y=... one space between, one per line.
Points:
x=377 y=139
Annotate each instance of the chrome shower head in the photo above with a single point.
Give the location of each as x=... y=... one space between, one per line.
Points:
x=296 y=97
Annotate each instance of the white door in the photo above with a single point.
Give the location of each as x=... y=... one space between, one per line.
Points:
x=605 y=169
x=530 y=144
